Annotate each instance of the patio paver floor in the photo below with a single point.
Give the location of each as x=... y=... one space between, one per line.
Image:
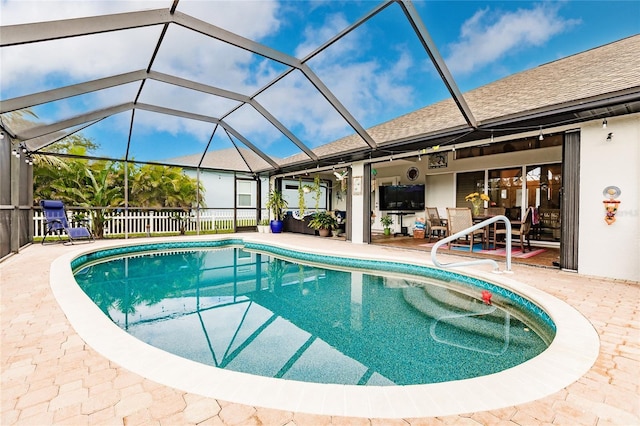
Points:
x=51 y=376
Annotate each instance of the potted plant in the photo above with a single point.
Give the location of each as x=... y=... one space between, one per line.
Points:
x=317 y=191
x=277 y=204
x=263 y=226
x=302 y=205
x=477 y=200
x=323 y=222
x=386 y=221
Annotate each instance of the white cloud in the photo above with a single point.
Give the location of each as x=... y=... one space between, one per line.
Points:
x=21 y=11
x=363 y=82
x=316 y=36
x=41 y=66
x=488 y=36
x=355 y=73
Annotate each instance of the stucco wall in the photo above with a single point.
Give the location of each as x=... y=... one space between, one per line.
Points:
x=610 y=250
x=604 y=250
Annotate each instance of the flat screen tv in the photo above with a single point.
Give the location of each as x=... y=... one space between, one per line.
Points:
x=402 y=198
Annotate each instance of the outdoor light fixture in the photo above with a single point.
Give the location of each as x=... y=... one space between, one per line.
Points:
x=609 y=137
x=541 y=137
x=491 y=136
x=604 y=123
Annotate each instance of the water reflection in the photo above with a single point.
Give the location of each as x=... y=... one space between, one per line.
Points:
x=255 y=313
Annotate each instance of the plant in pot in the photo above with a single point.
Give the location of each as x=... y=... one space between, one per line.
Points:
x=263 y=226
x=386 y=221
x=323 y=222
x=302 y=205
x=277 y=204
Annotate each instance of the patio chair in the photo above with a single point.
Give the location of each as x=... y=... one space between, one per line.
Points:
x=495 y=211
x=437 y=227
x=459 y=219
x=519 y=229
x=56 y=222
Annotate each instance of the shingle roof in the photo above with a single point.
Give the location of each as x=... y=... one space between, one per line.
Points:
x=603 y=71
x=600 y=71
x=241 y=159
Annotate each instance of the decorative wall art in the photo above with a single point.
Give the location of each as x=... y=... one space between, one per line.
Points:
x=413 y=173
x=611 y=205
x=438 y=160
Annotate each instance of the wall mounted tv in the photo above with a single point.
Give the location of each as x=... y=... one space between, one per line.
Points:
x=402 y=197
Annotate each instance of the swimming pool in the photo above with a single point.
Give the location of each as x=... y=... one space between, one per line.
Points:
x=572 y=352
x=243 y=309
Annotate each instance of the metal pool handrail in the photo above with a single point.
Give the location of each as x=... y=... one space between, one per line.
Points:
x=467 y=231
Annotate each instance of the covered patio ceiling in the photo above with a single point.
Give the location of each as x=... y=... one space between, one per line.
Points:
x=168 y=100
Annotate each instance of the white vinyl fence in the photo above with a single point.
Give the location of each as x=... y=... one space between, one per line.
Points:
x=149 y=222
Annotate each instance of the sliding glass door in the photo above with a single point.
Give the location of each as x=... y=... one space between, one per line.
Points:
x=541 y=188
x=544 y=191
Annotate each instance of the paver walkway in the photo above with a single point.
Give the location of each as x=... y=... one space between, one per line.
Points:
x=50 y=376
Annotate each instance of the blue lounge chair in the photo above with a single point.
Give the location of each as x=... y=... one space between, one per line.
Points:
x=56 y=223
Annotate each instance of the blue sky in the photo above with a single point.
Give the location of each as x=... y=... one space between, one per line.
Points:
x=379 y=71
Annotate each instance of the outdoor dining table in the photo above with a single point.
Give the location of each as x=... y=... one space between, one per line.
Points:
x=490 y=230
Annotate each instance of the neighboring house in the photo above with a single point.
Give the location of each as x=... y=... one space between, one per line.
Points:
x=219 y=185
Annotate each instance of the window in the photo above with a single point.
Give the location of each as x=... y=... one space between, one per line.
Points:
x=245 y=193
x=510 y=146
x=505 y=190
x=467 y=183
x=544 y=185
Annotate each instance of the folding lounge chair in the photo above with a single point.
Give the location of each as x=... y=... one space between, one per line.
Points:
x=56 y=223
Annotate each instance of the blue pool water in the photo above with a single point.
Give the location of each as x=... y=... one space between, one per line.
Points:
x=248 y=309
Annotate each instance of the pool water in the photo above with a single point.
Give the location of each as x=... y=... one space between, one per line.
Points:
x=251 y=311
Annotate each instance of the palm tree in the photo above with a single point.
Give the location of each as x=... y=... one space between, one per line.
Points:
x=160 y=186
x=99 y=184
x=96 y=188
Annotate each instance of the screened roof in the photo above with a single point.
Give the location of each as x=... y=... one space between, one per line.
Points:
x=188 y=83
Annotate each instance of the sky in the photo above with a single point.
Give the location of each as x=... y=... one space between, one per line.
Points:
x=378 y=72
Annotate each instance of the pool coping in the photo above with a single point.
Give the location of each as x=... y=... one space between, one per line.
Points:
x=571 y=354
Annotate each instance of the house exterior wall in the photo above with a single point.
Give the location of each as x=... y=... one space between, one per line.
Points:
x=604 y=250
x=440 y=192
x=218 y=188
x=357 y=208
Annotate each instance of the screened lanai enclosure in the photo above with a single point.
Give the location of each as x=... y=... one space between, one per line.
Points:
x=242 y=97
x=171 y=83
